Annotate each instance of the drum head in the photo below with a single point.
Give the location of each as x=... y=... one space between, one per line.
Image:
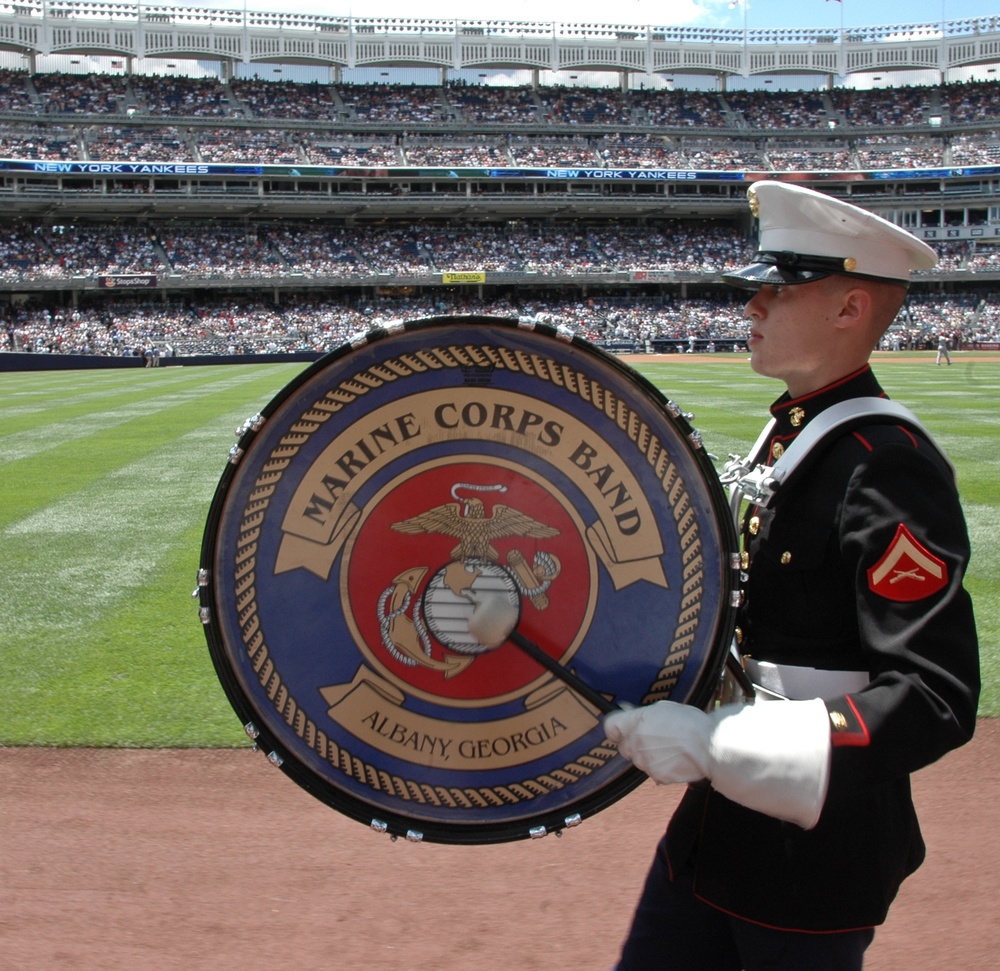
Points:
x=410 y=477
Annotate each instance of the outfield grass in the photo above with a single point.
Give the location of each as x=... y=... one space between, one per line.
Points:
x=107 y=477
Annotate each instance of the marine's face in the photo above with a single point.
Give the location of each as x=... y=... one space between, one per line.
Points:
x=791 y=328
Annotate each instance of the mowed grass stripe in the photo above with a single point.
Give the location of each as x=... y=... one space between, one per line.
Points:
x=139 y=674
x=19 y=402
x=103 y=539
x=98 y=591
x=67 y=452
x=983 y=584
x=722 y=395
x=48 y=413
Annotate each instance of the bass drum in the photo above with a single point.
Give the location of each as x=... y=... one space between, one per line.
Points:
x=414 y=474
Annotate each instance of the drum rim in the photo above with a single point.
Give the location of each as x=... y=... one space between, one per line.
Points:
x=399 y=825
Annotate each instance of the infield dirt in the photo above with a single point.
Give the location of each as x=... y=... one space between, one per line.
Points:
x=126 y=860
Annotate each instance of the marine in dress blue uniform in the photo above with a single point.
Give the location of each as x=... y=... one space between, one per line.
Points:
x=797 y=827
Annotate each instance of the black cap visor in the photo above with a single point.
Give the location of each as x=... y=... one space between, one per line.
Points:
x=758 y=275
x=785 y=269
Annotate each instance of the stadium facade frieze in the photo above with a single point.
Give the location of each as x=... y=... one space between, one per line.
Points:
x=136 y=30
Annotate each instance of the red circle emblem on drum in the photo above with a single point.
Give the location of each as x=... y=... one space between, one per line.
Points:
x=438 y=541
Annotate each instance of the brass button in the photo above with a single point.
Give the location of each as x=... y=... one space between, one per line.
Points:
x=744 y=560
x=838 y=721
x=786 y=558
x=777 y=450
x=739 y=635
x=754 y=525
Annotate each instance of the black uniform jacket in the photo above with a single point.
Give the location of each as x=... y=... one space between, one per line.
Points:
x=857 y=565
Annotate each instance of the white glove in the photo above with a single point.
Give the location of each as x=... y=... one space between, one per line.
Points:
x=668 y=741
x=773 y=758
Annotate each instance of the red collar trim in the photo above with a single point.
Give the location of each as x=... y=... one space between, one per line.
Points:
x=830 y=387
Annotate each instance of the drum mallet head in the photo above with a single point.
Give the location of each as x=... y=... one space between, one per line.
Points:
x=494 y=620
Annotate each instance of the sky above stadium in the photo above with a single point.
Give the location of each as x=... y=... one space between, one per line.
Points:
x=673 y=13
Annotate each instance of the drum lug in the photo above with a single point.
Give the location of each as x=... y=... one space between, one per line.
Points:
x=275 y=759
x=205 y=615
x=570 y=821
x=251 y=729
x=414 y=836
x=379 y=826
x=675 y=411
x=253 y=424
x=202 y=582
x=537 y=832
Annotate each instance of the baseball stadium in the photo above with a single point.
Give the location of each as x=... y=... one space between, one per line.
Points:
x=289 y=301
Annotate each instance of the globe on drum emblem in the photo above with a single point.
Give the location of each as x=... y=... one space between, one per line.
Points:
x=452 y=594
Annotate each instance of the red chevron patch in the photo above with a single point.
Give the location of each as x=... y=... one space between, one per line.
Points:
x=907 y=571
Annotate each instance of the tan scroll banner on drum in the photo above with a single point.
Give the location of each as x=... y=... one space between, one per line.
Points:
x=321 y=511
x=372 y=709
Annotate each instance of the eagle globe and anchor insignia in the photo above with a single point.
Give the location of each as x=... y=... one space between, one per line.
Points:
x=405 y=480
x=473 y=572
x=412 y=625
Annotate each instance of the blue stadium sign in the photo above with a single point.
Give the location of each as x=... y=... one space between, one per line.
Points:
x=180 y=169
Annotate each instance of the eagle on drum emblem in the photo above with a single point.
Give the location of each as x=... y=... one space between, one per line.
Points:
x=473 y=529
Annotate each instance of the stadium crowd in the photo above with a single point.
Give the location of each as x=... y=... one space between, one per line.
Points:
x=61 y=115
x=365 y=252
x=176 y=119
x=131 y=326
x=275 y=146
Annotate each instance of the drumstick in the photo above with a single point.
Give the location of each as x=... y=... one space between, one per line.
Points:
x=494 y=620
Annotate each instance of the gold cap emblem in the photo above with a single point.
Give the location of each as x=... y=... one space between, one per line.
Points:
x=754 y=203
x=850 y=264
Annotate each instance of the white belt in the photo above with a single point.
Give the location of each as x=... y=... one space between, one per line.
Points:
x=798 y=683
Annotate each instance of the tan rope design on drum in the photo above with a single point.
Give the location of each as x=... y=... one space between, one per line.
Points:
x=346 y=393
